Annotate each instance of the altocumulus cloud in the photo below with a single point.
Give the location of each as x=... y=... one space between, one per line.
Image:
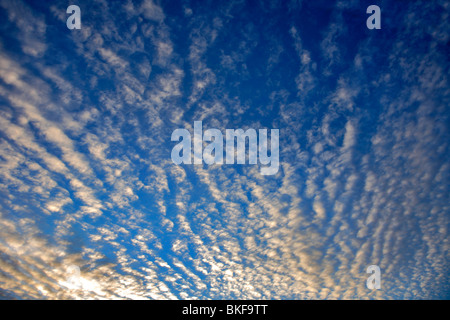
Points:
x=86 y=177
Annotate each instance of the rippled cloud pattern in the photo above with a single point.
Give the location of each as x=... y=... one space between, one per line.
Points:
x=92 y=206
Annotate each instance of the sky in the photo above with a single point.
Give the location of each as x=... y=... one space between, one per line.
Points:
x=93 y=207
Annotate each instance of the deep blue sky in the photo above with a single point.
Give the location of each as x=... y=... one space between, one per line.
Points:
x=86 y=177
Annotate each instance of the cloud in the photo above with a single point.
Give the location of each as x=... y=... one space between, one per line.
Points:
x=31 y=27
x=86 y=178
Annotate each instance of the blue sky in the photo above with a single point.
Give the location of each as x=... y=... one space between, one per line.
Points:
x=87 y=180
